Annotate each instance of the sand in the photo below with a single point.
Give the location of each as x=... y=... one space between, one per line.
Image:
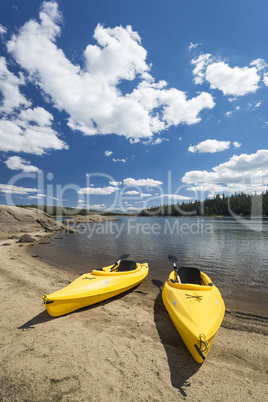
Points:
x=124 y=349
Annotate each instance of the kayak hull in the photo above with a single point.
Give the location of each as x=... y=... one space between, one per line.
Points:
x=196 y=311
x=93 y=288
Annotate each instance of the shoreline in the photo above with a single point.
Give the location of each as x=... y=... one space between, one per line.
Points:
x=129 y=340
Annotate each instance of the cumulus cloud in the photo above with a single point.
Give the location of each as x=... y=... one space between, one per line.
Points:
x=90 y=94
x=232 y=81
x=120 y=160
x=8 y=188
x=210 y=146
x=3 y=30
x=17 y=163
x=98 y=190
x=22 y=128
x=260 y=64
x=159 y=141
x=108 y=153
x=265 y=79
x=36 y=197
x=237 y=144
x=29 y=131
x=244 y=173
x=142 y=182
x=201 y=63
x=10 y=89
x=131 y=192
x=175 y=197
x=115 y=183
x=235 y=81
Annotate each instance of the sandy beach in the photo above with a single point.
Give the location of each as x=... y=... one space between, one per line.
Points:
x=124 y=349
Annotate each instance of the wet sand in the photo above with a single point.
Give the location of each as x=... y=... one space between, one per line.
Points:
x=124 y=349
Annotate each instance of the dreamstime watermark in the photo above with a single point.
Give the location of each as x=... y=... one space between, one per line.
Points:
x=125 y=197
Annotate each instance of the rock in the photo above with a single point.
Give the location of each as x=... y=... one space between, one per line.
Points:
x=26 y=220
x=92 y=218
x=71 y=230
x=6 y=244
x=26 y=238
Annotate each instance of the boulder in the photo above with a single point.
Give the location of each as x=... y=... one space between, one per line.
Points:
x=26 y=238
x=16 y=219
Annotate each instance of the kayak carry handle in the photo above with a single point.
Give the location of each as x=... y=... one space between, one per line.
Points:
x=199 y=352
x=46 y=300
x=204 y=341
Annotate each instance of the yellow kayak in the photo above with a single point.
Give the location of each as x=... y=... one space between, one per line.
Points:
x=99 y=285
x=196 y=308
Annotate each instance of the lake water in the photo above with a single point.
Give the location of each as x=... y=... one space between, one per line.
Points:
x=233 y=254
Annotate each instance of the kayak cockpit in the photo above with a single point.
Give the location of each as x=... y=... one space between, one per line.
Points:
x=123 y=267
x=190 y=278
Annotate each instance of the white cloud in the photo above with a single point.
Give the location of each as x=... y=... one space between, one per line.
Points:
x=210 y=146
x=260 y=64
x=120 y=160
x=108 y=153
x=10 y=89
x=145 y=195
x=237 y=81
x=134 y=208
x=228 y=114
x=193 y=46
x=98 y=190
x=17 y=163
x=3 y=30
x=159 y=141
x=92 y=206
x=8 y=188
x=175 y=197
x=36 y=197
x=201 y=63
x=243 y=173
x=237 y=144
x=115 y=183
x=132 y=192
x=265 y=79
x=20 y=134
x=90 y=94
x=23 y=129
x=142 y=182
x=232 y=81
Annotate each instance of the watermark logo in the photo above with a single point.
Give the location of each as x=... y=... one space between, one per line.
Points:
x=145 y=196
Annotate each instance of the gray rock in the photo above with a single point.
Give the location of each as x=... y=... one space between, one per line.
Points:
x=26 y=238
x=26 y=220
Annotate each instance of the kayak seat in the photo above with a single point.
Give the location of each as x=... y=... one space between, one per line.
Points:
x=189 y=275
x=126 y=265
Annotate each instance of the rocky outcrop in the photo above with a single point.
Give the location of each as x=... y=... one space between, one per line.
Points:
x=89 y=218
x=26 y=220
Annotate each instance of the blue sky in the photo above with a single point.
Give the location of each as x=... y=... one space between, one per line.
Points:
x=123 y=105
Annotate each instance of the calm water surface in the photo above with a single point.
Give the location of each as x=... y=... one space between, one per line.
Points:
x=233 y=254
